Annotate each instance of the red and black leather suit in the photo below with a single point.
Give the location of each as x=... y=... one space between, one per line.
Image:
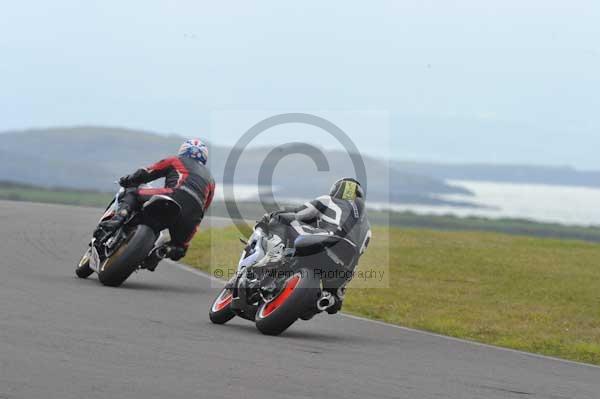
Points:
x=186 y=181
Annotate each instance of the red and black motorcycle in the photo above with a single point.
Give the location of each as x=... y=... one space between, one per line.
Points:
x=140 y=243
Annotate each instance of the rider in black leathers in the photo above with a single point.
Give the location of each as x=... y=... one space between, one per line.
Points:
x=341 y=213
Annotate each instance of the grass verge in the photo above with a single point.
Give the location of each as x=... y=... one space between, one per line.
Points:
x=532 y=294
x=22 y=192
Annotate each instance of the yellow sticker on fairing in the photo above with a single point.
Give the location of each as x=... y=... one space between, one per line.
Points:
x=349 y=191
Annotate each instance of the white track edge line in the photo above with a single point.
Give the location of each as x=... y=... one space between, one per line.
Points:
x=466 y=341
x=407 y=329
x=197 y=272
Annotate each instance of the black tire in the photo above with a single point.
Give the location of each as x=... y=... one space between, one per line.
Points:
x=116 y=269
x=83 y=269
x=220 y=310
x=298 y=297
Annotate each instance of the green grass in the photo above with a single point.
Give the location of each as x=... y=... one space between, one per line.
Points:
x=20 y=192
x=508 y=226
x=533 y=294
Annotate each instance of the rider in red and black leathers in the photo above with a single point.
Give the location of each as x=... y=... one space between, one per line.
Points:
x=187 y=181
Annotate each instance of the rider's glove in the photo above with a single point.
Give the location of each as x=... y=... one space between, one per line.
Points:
x=176 y=253
x=273 y=215
x=134 y=179
x=125 y=181
x=265 y=219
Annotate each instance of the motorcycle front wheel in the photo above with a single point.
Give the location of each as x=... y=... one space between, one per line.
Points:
x=220 y=311
x=83 y=269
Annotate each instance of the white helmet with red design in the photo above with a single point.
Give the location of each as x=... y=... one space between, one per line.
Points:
x=195 y=149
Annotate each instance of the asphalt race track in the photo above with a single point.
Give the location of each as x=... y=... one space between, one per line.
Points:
x=62 y=337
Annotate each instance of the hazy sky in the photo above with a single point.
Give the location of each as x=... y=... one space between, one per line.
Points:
x=461 y=81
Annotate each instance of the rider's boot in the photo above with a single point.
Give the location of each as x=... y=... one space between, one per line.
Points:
x=152 y=261
x=336 y=307
x=338 y=295
x=273 y=257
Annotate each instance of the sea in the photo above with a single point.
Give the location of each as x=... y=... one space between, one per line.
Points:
x=567 y=205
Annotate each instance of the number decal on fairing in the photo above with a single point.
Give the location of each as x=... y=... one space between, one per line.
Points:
x=365 y=244
x=94 y=260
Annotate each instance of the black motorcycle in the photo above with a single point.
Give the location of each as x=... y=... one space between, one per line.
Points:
x=297 y=285
x=140 y=243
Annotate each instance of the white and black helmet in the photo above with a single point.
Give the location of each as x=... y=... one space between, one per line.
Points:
x=347 y=188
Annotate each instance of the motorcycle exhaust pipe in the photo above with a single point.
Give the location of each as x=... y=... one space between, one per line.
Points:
x=325 y=301
x=162 y=252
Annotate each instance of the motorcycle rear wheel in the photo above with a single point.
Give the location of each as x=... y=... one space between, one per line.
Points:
x=298 y=296
x=116 y=269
